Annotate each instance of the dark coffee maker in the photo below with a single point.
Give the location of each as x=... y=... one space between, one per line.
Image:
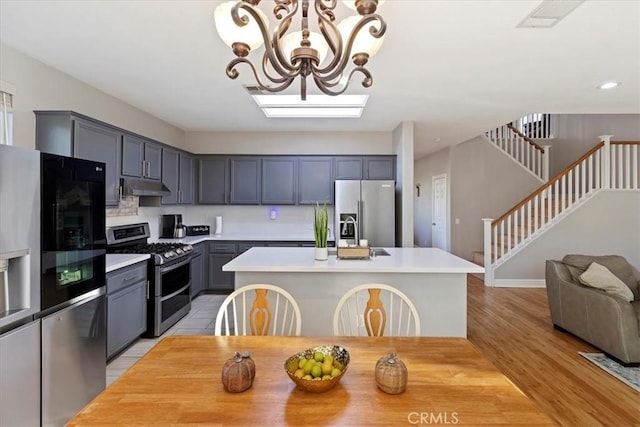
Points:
x=171 y=227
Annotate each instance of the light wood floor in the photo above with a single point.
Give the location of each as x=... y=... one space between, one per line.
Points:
x=512 y=327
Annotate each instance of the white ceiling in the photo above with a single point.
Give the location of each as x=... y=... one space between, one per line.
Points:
x=455 y=68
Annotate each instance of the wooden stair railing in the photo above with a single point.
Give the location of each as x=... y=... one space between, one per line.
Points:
x=608 y=165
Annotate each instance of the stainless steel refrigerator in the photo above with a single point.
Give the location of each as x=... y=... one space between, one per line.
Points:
x=19 y=286
x=365 y=210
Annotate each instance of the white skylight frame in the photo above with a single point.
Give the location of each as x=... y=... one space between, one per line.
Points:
x=316 y=106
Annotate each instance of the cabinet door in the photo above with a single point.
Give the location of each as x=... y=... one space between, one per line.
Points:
x=380 y=168
x=315 y=180
x=132 y=156
x=348 y=167
x=170 y=166
x=213 y=183
x=279 y=180
x=153 y=157
x=245 y=180
x=101 y=144
x=220 y=280
x=185 y=180
x=197 y=276
x=126 y=316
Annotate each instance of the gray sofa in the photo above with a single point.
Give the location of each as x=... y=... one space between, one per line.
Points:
x=607 y=322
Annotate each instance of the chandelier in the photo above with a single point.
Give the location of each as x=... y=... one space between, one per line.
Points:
x=323 y=56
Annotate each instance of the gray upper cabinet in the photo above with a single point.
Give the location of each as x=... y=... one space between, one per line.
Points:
x=213 y=180
x=245 y=173
x=380 y=167
x=170 y=168
x=177 y=175
x=315 y=180
x=141 y=158
x=186 y=179
x=348 y=167
x=279 y=180
x=67 y=134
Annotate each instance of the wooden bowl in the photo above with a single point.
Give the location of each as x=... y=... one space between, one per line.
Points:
x=340 y=355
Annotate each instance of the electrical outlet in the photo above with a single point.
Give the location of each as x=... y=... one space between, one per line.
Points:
x=273 y=213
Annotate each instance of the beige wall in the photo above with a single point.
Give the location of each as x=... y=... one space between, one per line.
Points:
x=484 y=183
x=40 y=87
x=403 y=144
x=426 y=168
x=289 y=142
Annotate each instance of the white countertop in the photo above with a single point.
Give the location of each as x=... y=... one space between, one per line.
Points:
x=254 y=237
x=401 y=260
x=116 y=261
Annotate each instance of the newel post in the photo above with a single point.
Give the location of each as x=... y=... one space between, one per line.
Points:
x=488 y=268
x=606 y=161
x=545 y=162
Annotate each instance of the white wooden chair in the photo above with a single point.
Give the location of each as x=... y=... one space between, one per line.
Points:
x=259 y=309
x=375 y=309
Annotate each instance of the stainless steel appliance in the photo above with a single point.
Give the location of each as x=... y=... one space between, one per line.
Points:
x=73 y=316
x=365 y=210
x=169 y=274
x=19 y=286
x=198 y=230
x=171 y=227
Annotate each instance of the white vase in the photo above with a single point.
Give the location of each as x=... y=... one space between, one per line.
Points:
x=321 y=254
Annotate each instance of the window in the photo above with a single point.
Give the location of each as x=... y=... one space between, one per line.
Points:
x=6 y=113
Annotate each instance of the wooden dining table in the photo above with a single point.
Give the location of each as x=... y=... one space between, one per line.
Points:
x=178 y=382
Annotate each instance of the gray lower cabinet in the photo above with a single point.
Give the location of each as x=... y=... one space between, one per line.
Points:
x=197 y=270
x=127 y=294
x=69 y=134
x=220 y=254
x=20 y=374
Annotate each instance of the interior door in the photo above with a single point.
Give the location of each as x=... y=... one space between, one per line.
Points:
x=439 y=215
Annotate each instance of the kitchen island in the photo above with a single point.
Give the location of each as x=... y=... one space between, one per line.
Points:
x=434 y=280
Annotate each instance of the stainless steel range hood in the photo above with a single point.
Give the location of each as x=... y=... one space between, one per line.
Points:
x=143 y=187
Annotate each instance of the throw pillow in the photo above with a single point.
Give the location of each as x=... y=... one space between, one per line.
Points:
x=616 y=264
x=599 y=276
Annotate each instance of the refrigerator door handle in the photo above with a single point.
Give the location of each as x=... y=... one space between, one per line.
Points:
x=360 y=220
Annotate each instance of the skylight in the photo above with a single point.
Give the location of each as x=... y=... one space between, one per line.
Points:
x=321 y=106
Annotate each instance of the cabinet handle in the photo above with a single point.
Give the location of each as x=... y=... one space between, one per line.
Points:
x=147 y=289
x=120 y=193
x=144 y=168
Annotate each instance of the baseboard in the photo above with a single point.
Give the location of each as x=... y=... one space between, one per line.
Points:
x=519 y=283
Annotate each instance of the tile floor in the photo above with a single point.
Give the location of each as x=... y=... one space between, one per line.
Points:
x=199 y=321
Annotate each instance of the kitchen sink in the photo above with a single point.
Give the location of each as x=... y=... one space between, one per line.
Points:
x=379 y=252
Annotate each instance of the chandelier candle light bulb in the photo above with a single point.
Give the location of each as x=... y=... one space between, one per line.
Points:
x=289 y=55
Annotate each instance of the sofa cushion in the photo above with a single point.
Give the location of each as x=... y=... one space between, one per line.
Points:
x=598 y=276
x=616 y=264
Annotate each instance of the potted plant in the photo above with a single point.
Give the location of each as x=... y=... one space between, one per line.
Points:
x=320 y=231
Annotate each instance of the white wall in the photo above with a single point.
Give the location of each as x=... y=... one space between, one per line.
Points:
x=289 y=142
x=40 y=87
x=425 y=169
x=403 y=148
x=607 y=224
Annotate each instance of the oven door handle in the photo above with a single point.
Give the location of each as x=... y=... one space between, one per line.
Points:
x=179 y=291
x=174 y=266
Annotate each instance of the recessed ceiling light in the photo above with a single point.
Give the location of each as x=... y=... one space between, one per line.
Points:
x=437 y=140
x=608 y=85
x=314 y=106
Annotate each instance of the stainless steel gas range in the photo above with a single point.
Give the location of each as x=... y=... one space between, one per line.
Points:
x=169 y=274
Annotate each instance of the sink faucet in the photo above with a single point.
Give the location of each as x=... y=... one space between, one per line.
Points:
x=355 y=228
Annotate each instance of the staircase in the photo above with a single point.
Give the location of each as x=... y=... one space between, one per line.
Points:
x=610 y=165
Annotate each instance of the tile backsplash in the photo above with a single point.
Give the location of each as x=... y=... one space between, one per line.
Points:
x=235 y=219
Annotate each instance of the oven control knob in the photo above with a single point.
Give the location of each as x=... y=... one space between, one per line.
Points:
x=169 y=254
x=178 y=251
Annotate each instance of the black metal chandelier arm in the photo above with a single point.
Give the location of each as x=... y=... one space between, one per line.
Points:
x=233 y=73
x=330 y=73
